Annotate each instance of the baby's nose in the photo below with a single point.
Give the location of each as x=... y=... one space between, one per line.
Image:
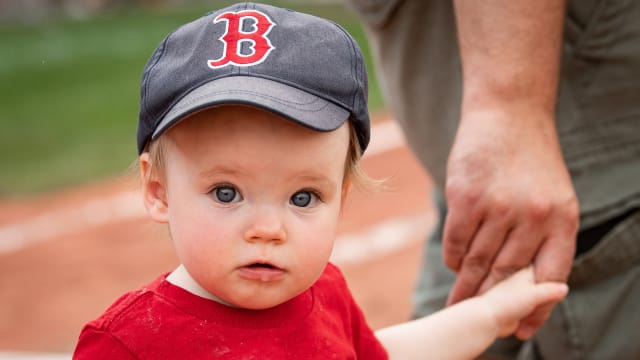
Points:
x=266 y=225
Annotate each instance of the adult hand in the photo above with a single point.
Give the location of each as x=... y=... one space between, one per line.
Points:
x=510 y=199
x=511 y=203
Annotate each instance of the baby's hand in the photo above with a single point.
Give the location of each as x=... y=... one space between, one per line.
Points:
x=513 y=299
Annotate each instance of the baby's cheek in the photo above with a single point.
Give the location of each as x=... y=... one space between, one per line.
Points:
x=318 y=249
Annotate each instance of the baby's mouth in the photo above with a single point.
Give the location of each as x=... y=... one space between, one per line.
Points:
x=262 y=271
x=262 y=265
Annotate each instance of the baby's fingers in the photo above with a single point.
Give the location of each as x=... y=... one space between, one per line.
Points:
x=547 y=295
x=519 y=299
x=550 y=292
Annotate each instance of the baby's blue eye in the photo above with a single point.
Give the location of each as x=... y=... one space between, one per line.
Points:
x=302 y=198
x=226 y=194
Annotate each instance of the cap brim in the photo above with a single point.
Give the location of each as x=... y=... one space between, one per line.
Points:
x=299 y=106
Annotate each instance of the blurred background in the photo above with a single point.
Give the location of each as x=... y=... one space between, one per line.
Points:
x=69 y=82
x=73 y=232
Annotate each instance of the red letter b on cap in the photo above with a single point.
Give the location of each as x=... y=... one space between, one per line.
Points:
x=234 y=38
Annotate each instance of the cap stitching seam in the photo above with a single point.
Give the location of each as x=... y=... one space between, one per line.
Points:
x=354 y=65
x=156 y=61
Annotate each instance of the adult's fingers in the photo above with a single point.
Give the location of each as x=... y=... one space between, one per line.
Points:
x=530 y=325
x=551 y=294
x=553 y=260
x=552 y=263
x=517 y=252
x=460 y=226
x=477 y=263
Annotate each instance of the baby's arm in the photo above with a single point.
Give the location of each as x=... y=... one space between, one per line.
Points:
x=465 y=330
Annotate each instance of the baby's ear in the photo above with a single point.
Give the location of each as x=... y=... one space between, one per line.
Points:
x=154 y=194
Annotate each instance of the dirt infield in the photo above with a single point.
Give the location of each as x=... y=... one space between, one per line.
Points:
x=65 y=256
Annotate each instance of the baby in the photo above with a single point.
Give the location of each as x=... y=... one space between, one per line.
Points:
x=252 y=123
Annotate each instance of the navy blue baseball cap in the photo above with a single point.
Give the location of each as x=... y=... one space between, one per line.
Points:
x=302 y=67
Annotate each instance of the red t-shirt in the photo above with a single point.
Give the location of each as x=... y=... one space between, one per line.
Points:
x=163 y=321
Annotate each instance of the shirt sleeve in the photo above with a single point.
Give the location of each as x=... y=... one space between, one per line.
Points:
x=99 y=344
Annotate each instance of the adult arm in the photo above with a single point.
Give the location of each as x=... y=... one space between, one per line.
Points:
x=477 y=321
x=510 y=199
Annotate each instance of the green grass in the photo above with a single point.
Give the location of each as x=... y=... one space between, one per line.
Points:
x=69 y=93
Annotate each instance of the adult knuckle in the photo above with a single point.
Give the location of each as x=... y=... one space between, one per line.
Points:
x=503 y=271
x=462 y=193
x=453 y=252
x=571 y=226
x=452 y=188
x=477 y=263
x=560 y=272
x=455 y=242
x=454 y=248
x=570 y=217
x=557 y=276
x=539 y=209
x=572 y=210
x=451 y=262
x=500 y=205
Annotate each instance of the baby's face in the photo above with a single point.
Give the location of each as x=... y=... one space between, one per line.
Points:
x=253 y=202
